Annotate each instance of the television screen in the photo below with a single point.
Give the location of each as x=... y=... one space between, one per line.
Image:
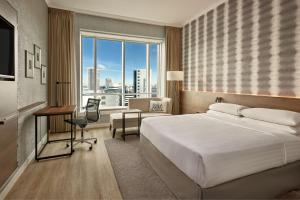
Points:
x=7 y=61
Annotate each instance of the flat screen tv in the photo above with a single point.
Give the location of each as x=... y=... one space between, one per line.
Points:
x=7 y=50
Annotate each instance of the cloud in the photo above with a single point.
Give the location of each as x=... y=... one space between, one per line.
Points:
x=107 y=69
x=101 y=67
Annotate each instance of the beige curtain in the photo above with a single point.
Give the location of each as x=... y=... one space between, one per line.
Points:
x=61 y=62
x=173 y=63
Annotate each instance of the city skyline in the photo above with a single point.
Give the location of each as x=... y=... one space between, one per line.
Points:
x=109 y=57
x=90 y=78
x=109 y=94
x=108 y=80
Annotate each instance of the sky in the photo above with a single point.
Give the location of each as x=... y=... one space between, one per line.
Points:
x=109 y=59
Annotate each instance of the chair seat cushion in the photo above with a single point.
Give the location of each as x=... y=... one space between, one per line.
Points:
x=81 y=122
x=131 y=119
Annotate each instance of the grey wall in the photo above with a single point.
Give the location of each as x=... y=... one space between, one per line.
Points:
x=244 y=46
x=32 y=29
x=96 y=23
x=102 y=24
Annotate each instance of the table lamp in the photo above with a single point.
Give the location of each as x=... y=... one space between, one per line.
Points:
x=175 y=76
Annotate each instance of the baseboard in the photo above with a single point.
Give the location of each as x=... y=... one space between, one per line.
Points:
x=8 y=185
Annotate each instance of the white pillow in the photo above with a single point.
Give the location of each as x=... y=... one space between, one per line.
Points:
x=272 y=127
x=158 y=106
x=229 y=108
x=283 y=117
x=223 y=115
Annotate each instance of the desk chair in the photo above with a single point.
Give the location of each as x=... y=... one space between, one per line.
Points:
x=91 y=115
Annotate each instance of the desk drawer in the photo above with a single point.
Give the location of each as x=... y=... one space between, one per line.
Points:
x=8 y=147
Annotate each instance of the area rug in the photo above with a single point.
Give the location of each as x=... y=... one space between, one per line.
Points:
x=135 y=176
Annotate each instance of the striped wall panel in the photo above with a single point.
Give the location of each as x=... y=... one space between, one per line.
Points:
x=193 y=66
x=232 y=45
x=186 y=56
x=247 y=31
x=209 y=50
x=244 y=46
x=220 y=47
x=287 y=54
x=200 y=64
x=264 y=46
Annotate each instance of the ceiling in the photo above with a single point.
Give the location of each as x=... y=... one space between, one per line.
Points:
x=161 y=12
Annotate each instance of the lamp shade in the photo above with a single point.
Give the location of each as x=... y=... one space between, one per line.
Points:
x=175 y=76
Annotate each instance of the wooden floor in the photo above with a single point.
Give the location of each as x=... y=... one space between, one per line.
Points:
x=84 y=175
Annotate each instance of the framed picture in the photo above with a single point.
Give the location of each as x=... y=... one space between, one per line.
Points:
x=29 y=64
x=37 y=57
x=44 y=75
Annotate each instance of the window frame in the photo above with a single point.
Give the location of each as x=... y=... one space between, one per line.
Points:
x=123 y=38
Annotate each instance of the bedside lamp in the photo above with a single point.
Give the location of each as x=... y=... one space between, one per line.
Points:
x=175 y=77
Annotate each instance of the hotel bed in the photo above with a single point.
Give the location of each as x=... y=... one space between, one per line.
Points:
x=216 y=155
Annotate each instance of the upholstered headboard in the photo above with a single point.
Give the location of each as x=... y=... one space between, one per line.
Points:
x=192 y=101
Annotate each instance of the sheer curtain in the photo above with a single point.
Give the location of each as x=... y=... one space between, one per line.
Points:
x=61 y=63
x=173 y=63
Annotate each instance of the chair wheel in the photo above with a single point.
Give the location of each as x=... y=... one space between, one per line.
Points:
x=95 y=141
x=90 y=148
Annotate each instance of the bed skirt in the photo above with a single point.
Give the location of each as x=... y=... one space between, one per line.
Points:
x=262 y=185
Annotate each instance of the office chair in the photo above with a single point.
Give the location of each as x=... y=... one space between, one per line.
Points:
x=91 y=115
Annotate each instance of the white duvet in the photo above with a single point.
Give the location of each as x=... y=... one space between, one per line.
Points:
x=212 y=150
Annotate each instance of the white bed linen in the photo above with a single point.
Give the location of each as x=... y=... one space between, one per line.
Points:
x=214 y=149
x=291 y=141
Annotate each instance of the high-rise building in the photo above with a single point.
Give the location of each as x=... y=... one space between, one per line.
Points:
x=108 y=83
x=91 y=78
x=140 y=82
x=108 y=99
x=154 y=90
x=127 y=97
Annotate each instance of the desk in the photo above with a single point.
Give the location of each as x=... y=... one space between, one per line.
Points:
x=47 y=112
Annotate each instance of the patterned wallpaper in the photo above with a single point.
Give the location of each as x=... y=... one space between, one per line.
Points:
x=244 y=46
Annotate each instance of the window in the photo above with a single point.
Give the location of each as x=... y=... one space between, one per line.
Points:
x=154 y=48
x=135 y=70
x=109 y=66
x=87 y=69
x=117 y=68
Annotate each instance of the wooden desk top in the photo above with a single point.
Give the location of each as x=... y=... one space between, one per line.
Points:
x=50 y=110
